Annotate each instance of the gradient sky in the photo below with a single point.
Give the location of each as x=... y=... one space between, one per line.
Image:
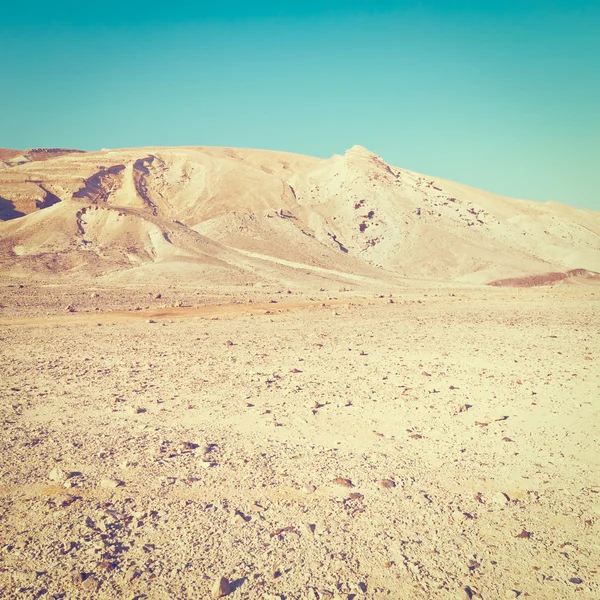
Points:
x=503 y=95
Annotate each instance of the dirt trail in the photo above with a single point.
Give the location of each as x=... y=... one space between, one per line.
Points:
x=184 y=312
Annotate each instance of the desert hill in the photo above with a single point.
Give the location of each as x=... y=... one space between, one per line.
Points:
x=239 y=214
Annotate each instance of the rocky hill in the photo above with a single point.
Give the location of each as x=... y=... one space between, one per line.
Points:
x=241 y=214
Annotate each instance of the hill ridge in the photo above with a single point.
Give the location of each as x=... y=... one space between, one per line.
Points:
x=351 y=213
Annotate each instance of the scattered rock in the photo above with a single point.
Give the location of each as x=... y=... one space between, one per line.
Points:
x=90 y=584
x=111 y=483
x=468 y=593
x=70 y=308
x=343 y=482
x=240 y=519
x=576 y=580
x=524 y=534
x=221 y=588
x=308 y=488
x=387 y=484
x=58 y=475
x=150 y=321
x=309 y=528
x=501 y=498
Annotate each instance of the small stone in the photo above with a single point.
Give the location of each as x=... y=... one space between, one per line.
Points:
x=90 y=584
x=343 y=482
x=70 y=308
x=150 y=321
x=58 y=475
x=239 y=519
x=524 y=535
x=95 y=295
x=387 y=484
x=576 y=580
x=221 y=588
x=468 y=593
x=308 y=488
x=111 y=483
x=501 y=498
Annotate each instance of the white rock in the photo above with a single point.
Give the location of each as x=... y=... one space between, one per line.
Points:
x=501 y=498
x=110 y=483
x=58 y=475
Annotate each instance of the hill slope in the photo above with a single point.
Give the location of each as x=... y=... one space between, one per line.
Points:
x=233 y=213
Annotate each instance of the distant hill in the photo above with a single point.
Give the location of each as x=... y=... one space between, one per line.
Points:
x=248 y=214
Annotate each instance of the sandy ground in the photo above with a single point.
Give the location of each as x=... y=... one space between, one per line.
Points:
x=443 y=445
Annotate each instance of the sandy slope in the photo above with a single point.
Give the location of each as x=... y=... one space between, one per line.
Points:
x=351 y=213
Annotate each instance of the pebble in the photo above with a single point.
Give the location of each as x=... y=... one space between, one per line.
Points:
x=58 y=475
x=111 y=483
x=387 y=484
x=90 y=584
x=308 y=488
x=501 y=498
x=221 y=588
x=343 y=482
x=238 y=519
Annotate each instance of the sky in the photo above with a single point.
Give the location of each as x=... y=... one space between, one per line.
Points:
x=503 y=95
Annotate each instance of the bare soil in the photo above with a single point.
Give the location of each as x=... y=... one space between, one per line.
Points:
x=441 y=443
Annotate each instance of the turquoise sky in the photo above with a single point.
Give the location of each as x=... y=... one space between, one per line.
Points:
x=501 y=95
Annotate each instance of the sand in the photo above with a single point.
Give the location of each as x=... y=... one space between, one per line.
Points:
x=436 y=444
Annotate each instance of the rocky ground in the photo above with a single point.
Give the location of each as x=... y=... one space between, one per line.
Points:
x=442 y=443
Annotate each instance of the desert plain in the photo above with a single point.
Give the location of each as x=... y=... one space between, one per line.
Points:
x=243 y=374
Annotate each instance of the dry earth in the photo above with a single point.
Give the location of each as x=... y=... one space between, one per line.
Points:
x=271 y=376
x=439 y=443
